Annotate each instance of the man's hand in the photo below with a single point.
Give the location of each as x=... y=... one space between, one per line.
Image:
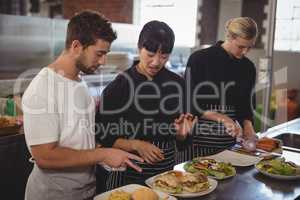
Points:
x=184 y=125
x=117 y=158
x=149 y=152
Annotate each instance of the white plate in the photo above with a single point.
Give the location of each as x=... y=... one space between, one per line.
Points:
x=235 y=158
x=131 y=188
x=278 y=176
x=213 y=184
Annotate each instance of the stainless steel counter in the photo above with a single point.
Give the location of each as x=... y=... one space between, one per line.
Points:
x=288 y=127
x=288 y=133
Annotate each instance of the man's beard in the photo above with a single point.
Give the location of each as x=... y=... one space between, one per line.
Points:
x=83 y=68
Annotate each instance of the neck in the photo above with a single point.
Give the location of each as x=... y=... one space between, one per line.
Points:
x=65 y=65
x=226 y=47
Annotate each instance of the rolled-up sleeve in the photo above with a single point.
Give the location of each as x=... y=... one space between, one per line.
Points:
x=41 y=122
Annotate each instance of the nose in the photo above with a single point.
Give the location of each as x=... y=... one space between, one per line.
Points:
x=245 y=51
x=156 y=60
x=102 y=60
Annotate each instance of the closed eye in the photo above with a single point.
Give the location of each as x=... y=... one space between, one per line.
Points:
x=244 y=47
x=151 y=54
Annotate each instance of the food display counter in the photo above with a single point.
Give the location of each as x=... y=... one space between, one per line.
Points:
x=249 y=184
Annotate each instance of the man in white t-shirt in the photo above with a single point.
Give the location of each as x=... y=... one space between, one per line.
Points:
x=59 y=117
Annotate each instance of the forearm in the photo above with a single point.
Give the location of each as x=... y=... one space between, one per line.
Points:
x=125 y=144
x=248 y=128
x=179 y=137
x=62 y=157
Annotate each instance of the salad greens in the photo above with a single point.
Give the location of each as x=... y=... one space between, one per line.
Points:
x=210 y=167
x=277 y=166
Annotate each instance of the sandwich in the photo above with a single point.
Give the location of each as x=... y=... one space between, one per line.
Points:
x=168 y=182
x=194 y=182
x=178 y=182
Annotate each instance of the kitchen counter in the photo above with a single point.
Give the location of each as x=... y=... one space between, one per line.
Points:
x=15 y=167
x=249 y=184
x=292 y=126
x=288 y=133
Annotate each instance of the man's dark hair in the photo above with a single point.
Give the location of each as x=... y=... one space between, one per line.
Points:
x=87 y=27
x=155 y=36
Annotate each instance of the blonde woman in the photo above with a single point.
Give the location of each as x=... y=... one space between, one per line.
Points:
x=221 y=79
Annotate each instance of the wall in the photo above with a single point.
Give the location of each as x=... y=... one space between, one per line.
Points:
x=115 y=10
x=228 y=9
x=208 y=18
x=256 y=10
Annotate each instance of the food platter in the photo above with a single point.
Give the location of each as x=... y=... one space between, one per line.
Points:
x=130 y=189
x=212 y=184
x=235 y=158
x=210 y=167
x=278 y=169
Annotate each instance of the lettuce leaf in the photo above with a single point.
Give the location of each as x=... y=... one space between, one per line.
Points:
x=218 y=175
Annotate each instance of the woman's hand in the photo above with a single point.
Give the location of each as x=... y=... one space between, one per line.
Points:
x=117 y=158
x=149 y=152
x=232 y=128
x=184 y=125
x=249 y=131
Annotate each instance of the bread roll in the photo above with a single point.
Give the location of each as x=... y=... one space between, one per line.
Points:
x=144 y=194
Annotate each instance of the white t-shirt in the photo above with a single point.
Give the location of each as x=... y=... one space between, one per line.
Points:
x=57 y=109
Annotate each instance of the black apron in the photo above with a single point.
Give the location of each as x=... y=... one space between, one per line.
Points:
x=130 y=176
x=209 y=137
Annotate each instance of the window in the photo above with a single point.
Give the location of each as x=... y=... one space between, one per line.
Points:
x=287 y=33
x=180 y=15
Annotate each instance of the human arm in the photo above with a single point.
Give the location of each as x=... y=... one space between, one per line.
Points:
x=248 y=130
x=149 y=152
x=47 y=139
x=192 y=77
x=184 y=124
x=247 y=103
x=53 y=156
x=232 y=128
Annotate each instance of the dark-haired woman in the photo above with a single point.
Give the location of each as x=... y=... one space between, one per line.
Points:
x=141 y=109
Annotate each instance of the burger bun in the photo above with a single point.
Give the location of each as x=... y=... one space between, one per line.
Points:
x=144 y=194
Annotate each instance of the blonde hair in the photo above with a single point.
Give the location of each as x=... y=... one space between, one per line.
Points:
x=244 y=27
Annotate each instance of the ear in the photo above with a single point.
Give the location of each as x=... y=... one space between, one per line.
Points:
x=76 y=47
